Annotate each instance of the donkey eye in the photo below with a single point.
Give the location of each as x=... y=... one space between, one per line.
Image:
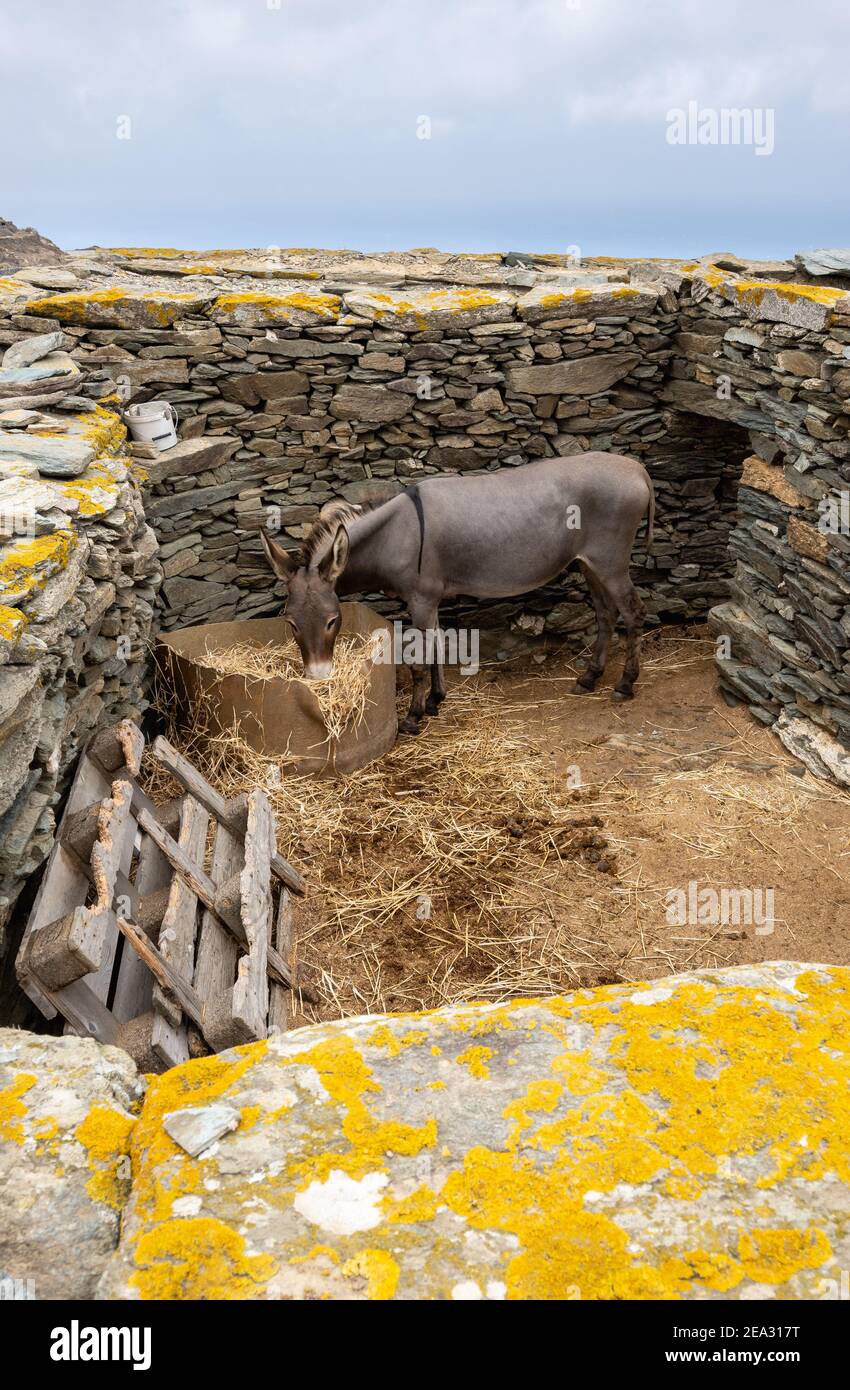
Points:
x=331 y=624
x=292 y=623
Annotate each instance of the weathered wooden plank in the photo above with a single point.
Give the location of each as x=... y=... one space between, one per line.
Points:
x=63 y=881
x=218 y=949
x=204 y=888
x=118 y=860
x=177 y=938
x=67 y=950
x=85 y=1013
x=78 y=943
x=150 y=891
x=251 y=992
x=278 y=995
x=166 y=976
x=233 y=814
x=118 y=748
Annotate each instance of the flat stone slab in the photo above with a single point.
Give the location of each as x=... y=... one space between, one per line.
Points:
x=25 y=376
x=577 y=376
x=413 y=310
x=66 y=1114
x=802 y=306
x=584 y=301
x=683 y=1139
x=119 y=308
x=300 y=309
x=55 y=456
x=29 y=350
x=825 y=261
x=199 y=1126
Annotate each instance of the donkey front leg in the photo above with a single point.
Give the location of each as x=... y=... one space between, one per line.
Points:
x=424 y=618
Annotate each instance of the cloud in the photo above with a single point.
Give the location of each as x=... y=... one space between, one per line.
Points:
x=259 y=123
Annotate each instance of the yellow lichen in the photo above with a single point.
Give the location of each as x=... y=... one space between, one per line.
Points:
x=753 y=291
x=323 y=306
x=158 y=308
x=12 y=623
x=421 y=1205
x=198 y=1258
x=475 y=1059
x=378 y=1268
x=105 y=1133
x=26 y=565
x=773 y=1256
x=13 y=1109
x=348 y=1079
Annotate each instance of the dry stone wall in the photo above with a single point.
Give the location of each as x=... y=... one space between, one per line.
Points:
x=78 y=581
x=301 y=376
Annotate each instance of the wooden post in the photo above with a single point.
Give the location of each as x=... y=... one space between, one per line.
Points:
x=75 y=945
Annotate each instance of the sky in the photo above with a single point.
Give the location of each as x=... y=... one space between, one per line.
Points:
x=474 y=125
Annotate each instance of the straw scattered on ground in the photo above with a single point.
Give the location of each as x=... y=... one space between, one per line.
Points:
x=435 y=874
x=468 y=863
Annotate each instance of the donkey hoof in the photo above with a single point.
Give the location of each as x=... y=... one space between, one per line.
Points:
x=432 y=705
x=409 y=725
x=585 y=685
x=625 y=693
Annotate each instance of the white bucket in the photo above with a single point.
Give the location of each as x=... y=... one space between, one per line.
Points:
x=153 y=422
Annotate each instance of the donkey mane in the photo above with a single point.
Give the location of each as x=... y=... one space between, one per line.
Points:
x=325 y=527
x=333 y=514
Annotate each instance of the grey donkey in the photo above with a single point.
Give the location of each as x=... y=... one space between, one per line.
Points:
x=485 y=535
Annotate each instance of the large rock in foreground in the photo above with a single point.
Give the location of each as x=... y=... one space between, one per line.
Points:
x=66 y=1113
x=686 y=1139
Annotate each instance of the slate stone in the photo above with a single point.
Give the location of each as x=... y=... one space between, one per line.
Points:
x=30 y=349
x=583 y=376
x=354 y=401
x=57 y=458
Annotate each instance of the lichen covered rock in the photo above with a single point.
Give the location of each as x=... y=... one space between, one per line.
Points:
x=258 y=310
x=417 y=310
x=66 y=1113
x=685 y=1139
x=119 y=308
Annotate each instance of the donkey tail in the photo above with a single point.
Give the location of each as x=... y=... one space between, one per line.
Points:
x=650 y=516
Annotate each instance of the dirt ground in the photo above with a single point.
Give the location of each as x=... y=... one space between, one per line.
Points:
x=637 y=799
x=529 y=840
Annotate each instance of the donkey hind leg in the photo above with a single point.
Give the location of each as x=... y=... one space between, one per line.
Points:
x=605 y=612
x=438 y=678
x=423 y=618
x=632 y=613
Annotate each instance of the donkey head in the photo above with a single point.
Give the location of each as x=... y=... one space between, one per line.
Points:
x=312 y=607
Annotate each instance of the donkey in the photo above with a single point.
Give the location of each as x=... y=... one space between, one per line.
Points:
x=485 y=535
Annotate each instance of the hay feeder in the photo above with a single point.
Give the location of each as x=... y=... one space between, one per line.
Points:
x=280 y=717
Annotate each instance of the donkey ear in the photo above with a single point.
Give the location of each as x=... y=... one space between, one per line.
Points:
x=336 y=559
x=281 y=560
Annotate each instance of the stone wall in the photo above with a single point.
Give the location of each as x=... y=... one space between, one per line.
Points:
x=78 y=583
x=307 y=375
x=776 y=361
